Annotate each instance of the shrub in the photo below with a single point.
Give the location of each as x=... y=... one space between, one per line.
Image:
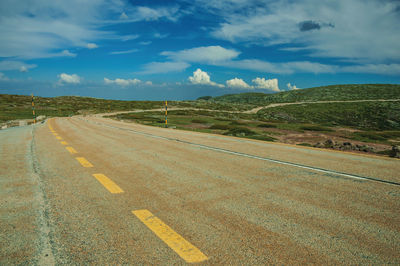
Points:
x=267 y=125
x=199 y=121
x=263 y=137
x=220 y=126
x=206 y=98
x=315 y=128
x=236 y=123
x=240 y=131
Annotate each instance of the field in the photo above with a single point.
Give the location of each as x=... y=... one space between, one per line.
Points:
x=371 y=126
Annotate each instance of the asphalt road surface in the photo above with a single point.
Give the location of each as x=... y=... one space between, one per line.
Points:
x=90 y=190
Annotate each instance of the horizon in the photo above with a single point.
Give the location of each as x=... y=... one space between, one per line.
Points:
x=182 y=50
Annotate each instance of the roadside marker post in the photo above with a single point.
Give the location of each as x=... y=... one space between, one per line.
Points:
x=33 y=109
x=166 y=114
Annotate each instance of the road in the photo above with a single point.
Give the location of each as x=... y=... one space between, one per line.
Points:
x=90 y=190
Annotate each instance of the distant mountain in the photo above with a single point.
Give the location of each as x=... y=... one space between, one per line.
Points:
x=325 y=93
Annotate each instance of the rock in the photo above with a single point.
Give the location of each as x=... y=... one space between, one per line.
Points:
x=395 y=152
x=329 y=143
x=319 y=145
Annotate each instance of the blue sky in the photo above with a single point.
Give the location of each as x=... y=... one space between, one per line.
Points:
x=155 y=50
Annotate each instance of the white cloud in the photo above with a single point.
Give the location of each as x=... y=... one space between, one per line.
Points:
x=291 y=87
x=15 y=65
x=23 y=69
x=158 y=35
x=238 y=84
x=207 y=54
x=3 y=77
x=202 y=78
x=145 y=42
x=123 y=16
x=382 y=69
x=359 y=30
x=123 y=82
x=92 y=46
x=42 y=28
x=66 y=53
x=125 y=52
x=149 y=14
x=129 y=37
x=164 y=67
x=267 y=84
x=70 y=79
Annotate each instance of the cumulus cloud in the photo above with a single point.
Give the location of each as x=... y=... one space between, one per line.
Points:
x=267 y=84
x=292 y=87
x=15 y=65
x=70 y=79
x=206 y=54
x=3 y=77
x=123 y=82
x=92 y=46
x=202 y=78
x=238 y=84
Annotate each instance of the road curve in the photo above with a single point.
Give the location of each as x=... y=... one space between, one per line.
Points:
x=90 y=190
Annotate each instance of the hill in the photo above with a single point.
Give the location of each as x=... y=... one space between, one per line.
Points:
x=325 y=93
x=19 y=106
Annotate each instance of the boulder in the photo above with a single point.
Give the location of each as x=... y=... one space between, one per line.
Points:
x=395 y=152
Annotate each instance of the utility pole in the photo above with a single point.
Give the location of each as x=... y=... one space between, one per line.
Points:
x=166 y=114
x=33 y=109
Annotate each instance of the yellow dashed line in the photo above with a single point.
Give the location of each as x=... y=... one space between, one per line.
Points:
x=64 y=142
x=84 y=162
x=183 y=248
x=71 y=150
x=108 y=183
x=58 y=137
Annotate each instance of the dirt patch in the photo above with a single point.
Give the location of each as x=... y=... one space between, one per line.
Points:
x=196 y=126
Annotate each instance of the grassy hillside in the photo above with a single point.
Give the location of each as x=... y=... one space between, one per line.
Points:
x=363 y=115
x=19 y=106
x=326 y=93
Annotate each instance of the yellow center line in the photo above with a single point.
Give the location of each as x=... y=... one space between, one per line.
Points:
x=84 y=162
x=108 y=183
x=71 y=150
x=58 y=137
x=64 y=142
x=183 y=248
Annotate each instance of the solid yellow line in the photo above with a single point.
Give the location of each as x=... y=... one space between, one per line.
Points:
x=84 y=162
x=108 y=183
x=64 y=142
x=183 y=248
x=58 y=137
x=71 y=150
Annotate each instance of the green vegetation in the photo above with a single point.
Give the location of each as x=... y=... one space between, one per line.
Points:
x=326 y=93
x=304 y=123
x=376 y=136
x=363 y=115
x=226 y=123
x=315 y=128
x=19 y=106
